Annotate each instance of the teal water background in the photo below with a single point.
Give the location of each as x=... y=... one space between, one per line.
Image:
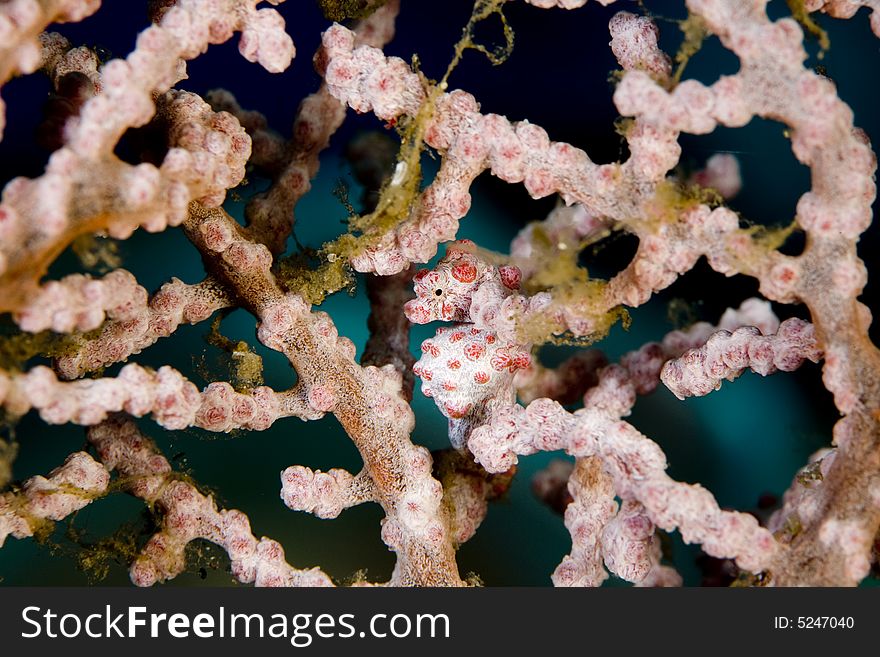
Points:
x=743 y=441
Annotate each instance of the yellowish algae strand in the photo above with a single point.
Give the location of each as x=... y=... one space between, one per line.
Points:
x=399 y=195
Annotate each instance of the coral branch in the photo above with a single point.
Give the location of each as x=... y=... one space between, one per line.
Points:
x=366 y=401
x=389 y=327
x=81 y=302
x=325 y=494
x=846 y=9
x=635 y=464
x=21 y=22
x=128 y=150
x=268 y=148
x=634 y=44
x=726 y=355
x=187 y=515
x=270 y=213
x=470 y=142
x=145 y=323
x=173 y=401
x=721 y=173
x=467 y=489
x=591 y=509
x=566 y=383
x=541 y=244
x=628 y=543
x=69 y=488
x=87 y=188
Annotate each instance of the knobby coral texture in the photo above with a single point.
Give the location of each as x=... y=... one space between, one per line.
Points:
x=515 y=360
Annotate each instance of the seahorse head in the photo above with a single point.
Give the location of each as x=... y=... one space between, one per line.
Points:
x=445 y=292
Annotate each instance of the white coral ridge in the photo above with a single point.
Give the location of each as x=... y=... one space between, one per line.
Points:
x=726 y=355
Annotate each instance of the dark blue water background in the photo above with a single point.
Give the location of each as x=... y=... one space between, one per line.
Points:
x=743 y=441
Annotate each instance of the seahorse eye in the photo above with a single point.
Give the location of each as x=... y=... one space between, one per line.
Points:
x=438 y=292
